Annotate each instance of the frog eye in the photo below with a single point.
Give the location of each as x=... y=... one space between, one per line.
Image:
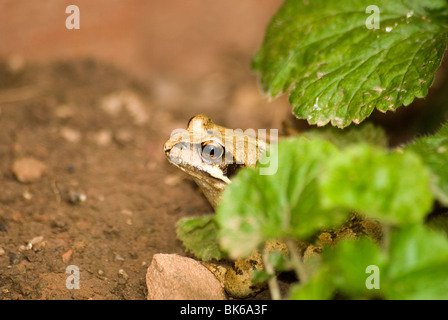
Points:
x=211 y=151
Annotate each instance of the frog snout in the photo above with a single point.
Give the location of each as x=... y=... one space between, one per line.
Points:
x=167 y=147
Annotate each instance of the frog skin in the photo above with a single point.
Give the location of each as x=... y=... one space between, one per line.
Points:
x=210 y=154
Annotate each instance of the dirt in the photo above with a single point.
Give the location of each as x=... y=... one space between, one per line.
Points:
x=107 y=200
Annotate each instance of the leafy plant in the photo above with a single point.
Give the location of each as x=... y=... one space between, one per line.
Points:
x=337 y=70
x=199 y=235
x=412 y=266
x=359 y=177
x=434 y=152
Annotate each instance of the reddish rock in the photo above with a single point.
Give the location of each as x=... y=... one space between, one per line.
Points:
x=173 y=277
x=67 y=256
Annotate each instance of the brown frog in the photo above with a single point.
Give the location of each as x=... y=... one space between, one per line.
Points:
x=211 y=154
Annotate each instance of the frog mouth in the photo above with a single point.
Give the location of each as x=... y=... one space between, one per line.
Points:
x=212 y=172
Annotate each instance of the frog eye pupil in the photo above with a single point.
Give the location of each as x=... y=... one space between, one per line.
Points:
x=211 y=151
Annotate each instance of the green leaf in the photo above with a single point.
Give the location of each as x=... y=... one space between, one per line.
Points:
x=319 y=287
x=279 y=261
x=391 y=187
x=337 y=70
x=256 y=208
x=261 y=276
x=413 y=266
x=418 y=258
x=199 y=236
x=434 y=152
x=365 y=133
x=348 y=265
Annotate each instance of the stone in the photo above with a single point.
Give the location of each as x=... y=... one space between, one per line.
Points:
x=71 y=135
x=103 y=138
x=28 y=169
x=67 y=256
x=173 y=277
x=36 y=243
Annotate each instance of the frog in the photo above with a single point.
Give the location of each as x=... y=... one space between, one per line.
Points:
x=211 y=155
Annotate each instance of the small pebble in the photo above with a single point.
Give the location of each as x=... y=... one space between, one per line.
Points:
x=36 y=240
x=112 y=104
x=2 y=251
x=126 y=212
x=118 y=257
x=103 y=138
x=36 y=243
x=135 y=107
x=123 y=274
x=58 y=223
x=27 y=195
x=76 y=197
x=67 y=256
x=28 y=169
x=70 y=135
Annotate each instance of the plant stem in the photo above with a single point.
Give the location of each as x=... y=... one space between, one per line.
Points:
x=274 y=288
x=296 y=261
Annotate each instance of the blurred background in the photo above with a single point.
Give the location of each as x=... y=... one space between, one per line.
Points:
x=197 y=46
x=148 y=38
